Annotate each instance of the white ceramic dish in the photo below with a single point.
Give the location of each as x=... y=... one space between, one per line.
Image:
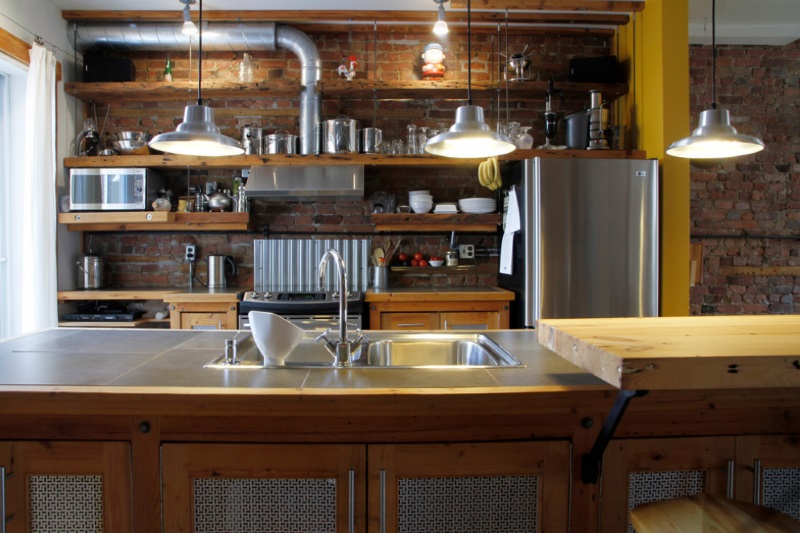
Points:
x=436 y=263
x=274 y=336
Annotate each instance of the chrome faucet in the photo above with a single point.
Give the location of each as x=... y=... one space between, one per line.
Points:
x=341 y=349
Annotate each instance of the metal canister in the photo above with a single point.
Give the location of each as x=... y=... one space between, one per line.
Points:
x=253 y=140
x=90 y=272
x=451 y=258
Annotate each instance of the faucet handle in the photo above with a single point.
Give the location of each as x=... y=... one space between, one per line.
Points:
x=329 y=344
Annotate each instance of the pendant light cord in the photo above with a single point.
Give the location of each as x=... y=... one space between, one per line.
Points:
x=713 y=54
x=200 y=58
x=469 y=55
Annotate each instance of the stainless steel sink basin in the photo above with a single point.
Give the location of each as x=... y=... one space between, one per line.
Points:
x=389 y=350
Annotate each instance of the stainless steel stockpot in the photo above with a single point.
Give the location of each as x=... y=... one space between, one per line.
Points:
x=339 y=135
x=280 y=142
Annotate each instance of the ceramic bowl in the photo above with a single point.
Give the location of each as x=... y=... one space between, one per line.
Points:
x=421 y=207
x=274 y=336
x=437 y=263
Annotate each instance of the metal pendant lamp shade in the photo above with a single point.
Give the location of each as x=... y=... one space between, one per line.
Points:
x=715 y=138
x=470 y=136
x=197 y=134
x=440 y=28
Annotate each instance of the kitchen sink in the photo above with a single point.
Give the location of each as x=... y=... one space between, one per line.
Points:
x=386 y=350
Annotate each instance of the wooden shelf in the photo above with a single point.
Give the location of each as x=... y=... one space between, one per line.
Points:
x=412 y=222
x=247 y=161
x=431 y=269
x=154 y=221
x=358 y=89
x=145 y=293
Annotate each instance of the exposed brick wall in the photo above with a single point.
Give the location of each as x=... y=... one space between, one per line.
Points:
x=149 y=259
x=746 y=212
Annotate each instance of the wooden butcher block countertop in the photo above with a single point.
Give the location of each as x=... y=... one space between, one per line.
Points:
x=713 y=352
x=438 y=294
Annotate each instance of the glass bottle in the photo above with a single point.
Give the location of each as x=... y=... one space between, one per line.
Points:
x=246 y=69
x=525 y=140
x=89 y=141
x=422 y=139
x=513 y=131
x=168 y=70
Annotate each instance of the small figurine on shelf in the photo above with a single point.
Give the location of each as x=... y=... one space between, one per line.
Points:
x=347 y=67
x=433 y=56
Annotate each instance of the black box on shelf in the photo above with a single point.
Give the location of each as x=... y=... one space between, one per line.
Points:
x=602 y=69
x=99 y=68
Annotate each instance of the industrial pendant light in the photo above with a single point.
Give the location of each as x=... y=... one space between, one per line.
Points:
x=188 y=26
x=440 y=28
x=197 y=134
x=470 y=136
x=715 y=138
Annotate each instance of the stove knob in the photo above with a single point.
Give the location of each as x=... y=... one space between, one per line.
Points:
x=267 y=295
x=254 y=295
x=335 y=294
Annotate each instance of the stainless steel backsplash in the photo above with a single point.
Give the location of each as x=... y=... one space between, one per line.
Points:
x=291 y=264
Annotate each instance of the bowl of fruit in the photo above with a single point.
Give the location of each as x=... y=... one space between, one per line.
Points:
x=435 y=261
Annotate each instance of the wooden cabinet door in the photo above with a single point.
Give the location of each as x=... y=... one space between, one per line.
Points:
x=66 y=486
x=488 y=487
x=410 y=321
x=768 y=472
x=203 y=321
x=638 y=471
x=469 y=320
x=263 y=487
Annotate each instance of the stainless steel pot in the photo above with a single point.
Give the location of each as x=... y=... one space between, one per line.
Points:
x=371 y=139
x=339 y=135
x=280 y=142
x=90 y=272
x=252 y=140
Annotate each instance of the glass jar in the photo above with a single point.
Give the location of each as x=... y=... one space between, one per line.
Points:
x=451 y=258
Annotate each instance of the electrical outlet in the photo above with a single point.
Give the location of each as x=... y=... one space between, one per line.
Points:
x=466 y=251
x=191 y=253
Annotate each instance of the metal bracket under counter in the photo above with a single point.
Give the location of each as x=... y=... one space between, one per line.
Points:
x=592 y=461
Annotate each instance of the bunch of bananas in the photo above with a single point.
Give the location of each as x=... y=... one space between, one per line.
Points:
x=489 y=174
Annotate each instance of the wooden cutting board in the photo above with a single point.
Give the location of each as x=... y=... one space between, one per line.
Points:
x=670 y=353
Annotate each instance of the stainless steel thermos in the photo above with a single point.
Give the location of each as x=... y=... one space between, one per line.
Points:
x=90 y=272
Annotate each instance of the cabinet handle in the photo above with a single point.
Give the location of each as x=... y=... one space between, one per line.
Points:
x=757 y=482
x=410 y=325
x=729 y=488
x=445 y=325
x=382 y=502
x=351 y=498
x=219 y=324
x=3 y=517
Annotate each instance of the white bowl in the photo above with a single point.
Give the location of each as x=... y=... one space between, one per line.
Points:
x=421 y=208
x=274 y=336
x=416 y=193
x=420 y=198
x=436 y=263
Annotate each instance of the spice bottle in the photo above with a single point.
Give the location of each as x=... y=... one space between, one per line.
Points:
x=168 y=70
x=246 y=69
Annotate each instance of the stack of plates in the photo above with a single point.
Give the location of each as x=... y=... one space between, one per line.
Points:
x=446 y=207
x=477 y=205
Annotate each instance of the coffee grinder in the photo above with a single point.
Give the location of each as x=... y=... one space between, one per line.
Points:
x=598 y=122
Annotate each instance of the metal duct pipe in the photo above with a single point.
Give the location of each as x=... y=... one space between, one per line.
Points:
x=218 y=36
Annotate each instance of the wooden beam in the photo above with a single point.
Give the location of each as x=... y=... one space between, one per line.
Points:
x=576 y=5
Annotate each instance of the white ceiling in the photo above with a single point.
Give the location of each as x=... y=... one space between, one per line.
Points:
x=766 y=22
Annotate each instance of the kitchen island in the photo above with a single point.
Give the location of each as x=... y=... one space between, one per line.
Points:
x=137 y=409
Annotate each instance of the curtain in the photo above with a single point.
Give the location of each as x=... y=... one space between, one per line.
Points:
x=32 y=256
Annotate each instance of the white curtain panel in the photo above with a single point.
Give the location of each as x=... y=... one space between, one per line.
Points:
x=32 y=256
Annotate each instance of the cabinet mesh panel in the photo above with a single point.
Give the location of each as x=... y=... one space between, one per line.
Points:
x=242 y=505
x=780 y=490
x=646 y=487
x=205 y=328
x=66 y=503
x=502 y=504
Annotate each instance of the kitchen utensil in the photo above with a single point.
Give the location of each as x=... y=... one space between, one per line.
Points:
x=90 y=272
x=378 y=254
x=131 y=143
x=275 y=337
x=219 y=267
x=577 y=129
x=390 y=256
x=219 y=201
x=252 y=139
x=280 y=142
x=339 y=135
x=370 y=140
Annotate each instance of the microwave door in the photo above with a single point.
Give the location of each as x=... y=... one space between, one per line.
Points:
x=123 y=191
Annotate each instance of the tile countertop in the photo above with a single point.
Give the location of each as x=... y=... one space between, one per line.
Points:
x=171 y=361
x=437 y=294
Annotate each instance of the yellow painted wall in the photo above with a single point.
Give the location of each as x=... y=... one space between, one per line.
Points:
x=654 y=48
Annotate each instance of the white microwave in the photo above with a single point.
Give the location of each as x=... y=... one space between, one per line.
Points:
x=113 y=189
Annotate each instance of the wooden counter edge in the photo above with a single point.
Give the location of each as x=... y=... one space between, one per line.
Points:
x=496 y=294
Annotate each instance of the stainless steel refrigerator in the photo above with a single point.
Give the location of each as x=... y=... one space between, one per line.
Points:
x=588 y=239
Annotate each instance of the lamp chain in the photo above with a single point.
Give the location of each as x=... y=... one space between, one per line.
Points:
x=200 y=57
x=713 y=54
x=469 y=54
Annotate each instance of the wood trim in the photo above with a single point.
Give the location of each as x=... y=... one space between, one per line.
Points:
x=578 y=5
x=15 y=47
x=759 y=270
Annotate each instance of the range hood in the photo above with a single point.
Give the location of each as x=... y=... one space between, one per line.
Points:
x=344 y=182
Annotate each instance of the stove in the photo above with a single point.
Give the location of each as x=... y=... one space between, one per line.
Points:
x=287 y=282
